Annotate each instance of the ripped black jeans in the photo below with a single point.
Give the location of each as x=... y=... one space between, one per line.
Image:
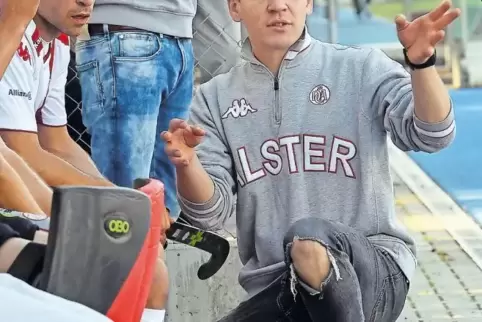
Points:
x=364 y=283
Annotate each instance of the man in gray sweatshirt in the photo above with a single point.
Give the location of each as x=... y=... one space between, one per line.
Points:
x=298 y=135
x=135 y=66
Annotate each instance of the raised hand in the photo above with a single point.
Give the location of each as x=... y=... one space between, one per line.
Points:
x=181 y=139
x=420 y=36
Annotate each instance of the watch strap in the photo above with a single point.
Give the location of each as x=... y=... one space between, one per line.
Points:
x=429 y=63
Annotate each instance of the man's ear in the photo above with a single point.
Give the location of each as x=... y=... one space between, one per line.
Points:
x=309 y=7
x=234 y=10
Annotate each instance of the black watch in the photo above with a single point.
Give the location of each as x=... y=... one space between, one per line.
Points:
x=429 y=63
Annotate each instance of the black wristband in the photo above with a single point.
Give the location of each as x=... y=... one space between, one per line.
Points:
x=429 y=63
x=28 y=264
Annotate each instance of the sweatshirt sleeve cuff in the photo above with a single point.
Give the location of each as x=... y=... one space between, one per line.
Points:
x=436 y=130
x=202 y=208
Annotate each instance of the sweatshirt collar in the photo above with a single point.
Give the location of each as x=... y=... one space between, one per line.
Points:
x=300 y=45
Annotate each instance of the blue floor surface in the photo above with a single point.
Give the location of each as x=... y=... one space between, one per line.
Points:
x=458 y=169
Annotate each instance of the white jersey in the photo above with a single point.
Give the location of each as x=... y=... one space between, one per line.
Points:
x=33 y=87
x=20 y=302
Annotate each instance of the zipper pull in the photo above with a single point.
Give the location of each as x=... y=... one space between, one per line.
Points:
x=276 y=84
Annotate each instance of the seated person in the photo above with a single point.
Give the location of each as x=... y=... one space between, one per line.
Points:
x=33 y=120
x=33 y=123
x=295 y=139
x=23 y=243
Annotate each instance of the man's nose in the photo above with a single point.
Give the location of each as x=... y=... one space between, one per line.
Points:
x=277 y=5
x=85 y=3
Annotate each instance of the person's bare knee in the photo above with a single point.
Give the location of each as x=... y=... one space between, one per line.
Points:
x=311 y=262
x=159 y=291
x=9 y=252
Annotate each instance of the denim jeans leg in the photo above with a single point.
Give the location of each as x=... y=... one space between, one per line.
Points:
x=273 y=304
x=364 y=283
x=95 y=72
x=136 y=70
x=175 y=105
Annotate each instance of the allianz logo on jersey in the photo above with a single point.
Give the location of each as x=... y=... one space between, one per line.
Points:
x=239 y=108
x=19 y=93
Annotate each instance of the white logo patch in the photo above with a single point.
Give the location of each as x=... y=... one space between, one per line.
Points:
x=239 y=108
x=320 y=95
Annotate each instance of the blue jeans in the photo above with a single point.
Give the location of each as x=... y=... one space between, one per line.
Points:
x=364 y=285
x=133 y=83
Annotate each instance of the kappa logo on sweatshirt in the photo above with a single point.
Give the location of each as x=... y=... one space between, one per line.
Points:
x=239 y=108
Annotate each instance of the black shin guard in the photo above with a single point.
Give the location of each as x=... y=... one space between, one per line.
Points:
x=29 y=263
x=7 y=232
x=95 y=237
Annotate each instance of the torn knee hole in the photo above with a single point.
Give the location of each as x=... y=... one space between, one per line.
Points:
x=305 y=250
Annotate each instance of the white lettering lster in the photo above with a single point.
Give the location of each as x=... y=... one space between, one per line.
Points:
x=312 y=149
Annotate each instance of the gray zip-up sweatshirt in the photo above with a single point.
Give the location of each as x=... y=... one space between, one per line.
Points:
x=311 y=142
x=169 y=17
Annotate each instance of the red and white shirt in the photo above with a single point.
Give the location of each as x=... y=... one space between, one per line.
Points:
x=32 y=90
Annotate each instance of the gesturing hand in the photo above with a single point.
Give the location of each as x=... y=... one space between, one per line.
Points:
x=420 y=36
x=181 y=139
